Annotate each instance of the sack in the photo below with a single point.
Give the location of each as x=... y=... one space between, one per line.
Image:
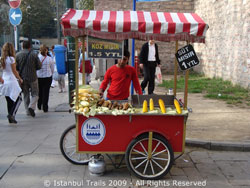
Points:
x=158 y=75
x=88 y=67
x=55 y=76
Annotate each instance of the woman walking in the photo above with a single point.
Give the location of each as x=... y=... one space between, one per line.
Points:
x=44 y=78
x=10 y=87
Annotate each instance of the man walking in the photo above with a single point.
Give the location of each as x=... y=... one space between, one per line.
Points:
x=149 y=59
x=27 y=65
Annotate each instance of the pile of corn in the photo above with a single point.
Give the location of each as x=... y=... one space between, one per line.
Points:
x=87 y=100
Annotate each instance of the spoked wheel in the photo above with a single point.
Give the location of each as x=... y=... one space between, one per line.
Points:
x=68 y=147
x=144 y=166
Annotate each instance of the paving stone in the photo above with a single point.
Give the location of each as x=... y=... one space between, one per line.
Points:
x=200 y=157
x=229 y=156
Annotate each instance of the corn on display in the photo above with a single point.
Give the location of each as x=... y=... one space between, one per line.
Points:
x=87 y=98
x=145 y=106
x=151 y=104
x=162 y=106
x=177 y=106
x=90 y=103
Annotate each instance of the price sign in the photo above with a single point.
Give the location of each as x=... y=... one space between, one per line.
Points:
x=102 y=48
x=186 y=57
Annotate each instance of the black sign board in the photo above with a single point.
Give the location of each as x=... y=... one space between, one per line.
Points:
x=102 y=48
x=186 y=57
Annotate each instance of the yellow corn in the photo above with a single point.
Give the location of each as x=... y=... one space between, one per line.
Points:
x=177 y=106
x=151 y=104
x=162 y=106
x=145 y=106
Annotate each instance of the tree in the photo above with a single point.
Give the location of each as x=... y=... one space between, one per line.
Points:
x=86 y=4
x=4 y=17
x=38 y=18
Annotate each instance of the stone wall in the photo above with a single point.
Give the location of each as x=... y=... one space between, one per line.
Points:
x=226 y=53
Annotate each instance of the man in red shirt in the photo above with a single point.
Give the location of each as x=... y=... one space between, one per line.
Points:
x=120 y=76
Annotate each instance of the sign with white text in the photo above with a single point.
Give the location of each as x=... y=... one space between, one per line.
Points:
x=186 y=57
x=106 y=49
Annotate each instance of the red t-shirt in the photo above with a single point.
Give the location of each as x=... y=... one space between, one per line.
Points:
x=120 y=79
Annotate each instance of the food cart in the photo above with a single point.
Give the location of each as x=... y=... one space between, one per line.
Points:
x=148 y=141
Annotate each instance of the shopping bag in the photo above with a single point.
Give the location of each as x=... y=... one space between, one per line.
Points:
x=55 y=76
x=158 y=75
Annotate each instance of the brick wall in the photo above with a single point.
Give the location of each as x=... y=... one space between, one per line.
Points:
x=226 y=53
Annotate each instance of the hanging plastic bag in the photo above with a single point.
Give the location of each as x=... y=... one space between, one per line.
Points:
x=158 y=75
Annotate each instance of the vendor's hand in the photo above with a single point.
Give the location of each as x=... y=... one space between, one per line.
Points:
x=101 y=92
x=20 y=80
x=141 y=66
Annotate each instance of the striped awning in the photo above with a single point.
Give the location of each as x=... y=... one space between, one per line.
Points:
x=120 y=25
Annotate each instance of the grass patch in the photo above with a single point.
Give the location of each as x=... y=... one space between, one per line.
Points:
x=213 y=88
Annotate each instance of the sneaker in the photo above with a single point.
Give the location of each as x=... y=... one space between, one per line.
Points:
x=32 y=112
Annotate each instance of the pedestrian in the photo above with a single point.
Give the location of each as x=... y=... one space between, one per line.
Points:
x=149 y=59
x=88 y=67
x=119 y=76
x=10 y=87
x=27 y=65
x=44 y=78
x=54 y=77
x=61 y=82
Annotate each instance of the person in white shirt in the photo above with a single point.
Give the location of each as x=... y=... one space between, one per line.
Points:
x=44 y=78
x=149 y=59
x=9 y=86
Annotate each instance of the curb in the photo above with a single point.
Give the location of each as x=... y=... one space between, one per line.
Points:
x=219 y=146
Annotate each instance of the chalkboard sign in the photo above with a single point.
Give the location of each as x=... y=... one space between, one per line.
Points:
x=186 y=57
x=102 y=48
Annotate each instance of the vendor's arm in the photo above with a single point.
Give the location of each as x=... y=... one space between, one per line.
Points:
x=105 y=82
x=136 y=82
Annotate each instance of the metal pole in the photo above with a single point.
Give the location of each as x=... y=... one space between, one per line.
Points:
x=83 y=60
x=175 y=69
x=133 y=51
x=186 y=88
x=71 y=57
x=57 y=23
x=76 y=71
x=15 y=34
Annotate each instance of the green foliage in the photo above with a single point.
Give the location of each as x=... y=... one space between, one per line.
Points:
x=5 y=25
x=38 y=18
x=86 y=4
x=214 y=88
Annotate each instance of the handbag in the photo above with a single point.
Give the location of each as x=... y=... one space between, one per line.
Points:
x=88 y=67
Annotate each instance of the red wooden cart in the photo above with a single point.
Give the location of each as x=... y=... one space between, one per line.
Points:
x=149 y=141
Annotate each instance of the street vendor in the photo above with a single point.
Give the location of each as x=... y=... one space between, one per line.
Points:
x=119 y=76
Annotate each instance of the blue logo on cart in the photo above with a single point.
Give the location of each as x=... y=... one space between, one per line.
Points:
x=93 y=131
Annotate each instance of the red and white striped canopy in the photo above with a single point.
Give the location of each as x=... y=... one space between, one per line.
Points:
x=120 y=25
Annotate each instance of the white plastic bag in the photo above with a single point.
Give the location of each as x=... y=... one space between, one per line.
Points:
x=158 y=75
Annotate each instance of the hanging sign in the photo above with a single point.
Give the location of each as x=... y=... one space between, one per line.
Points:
x=102 y=48
x=186 y=57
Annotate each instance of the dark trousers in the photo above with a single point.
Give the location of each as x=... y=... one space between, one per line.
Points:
x=44 y=87
x=13 y=106
x=149 y=77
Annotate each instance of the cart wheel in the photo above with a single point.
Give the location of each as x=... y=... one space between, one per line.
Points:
x=68 y=147
x=139 y=163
